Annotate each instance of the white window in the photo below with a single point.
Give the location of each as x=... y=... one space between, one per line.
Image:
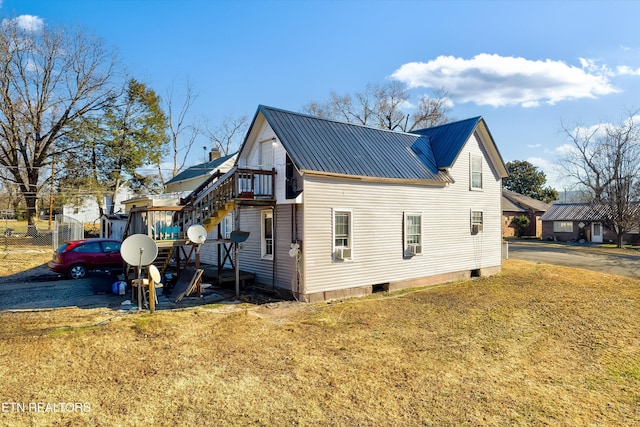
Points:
x=267 y=234
x=226 y=226
x=413 y=234
x=476 y=172
x=266 y=154
x=476 y=222
x=342 y=230
x=563 y=226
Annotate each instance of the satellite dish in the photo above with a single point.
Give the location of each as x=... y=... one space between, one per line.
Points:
x=239 y=236
x=154 y=273
x=197 y=234
x=138 y=250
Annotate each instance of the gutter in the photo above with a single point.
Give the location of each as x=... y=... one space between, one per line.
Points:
x=363 y=178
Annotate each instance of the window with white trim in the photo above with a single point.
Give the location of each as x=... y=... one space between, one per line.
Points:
x=563 y=226
x=267 y=234
x=476 y=222
x=342 y=235
x=413 y=234
x=226 y=226
x=476 y=172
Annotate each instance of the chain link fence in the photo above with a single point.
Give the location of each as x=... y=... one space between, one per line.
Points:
x=17 y=235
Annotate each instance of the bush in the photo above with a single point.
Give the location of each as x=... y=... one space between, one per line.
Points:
x=520 y=224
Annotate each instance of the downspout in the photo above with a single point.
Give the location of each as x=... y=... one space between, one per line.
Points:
x=274 y=240
x=294 y=284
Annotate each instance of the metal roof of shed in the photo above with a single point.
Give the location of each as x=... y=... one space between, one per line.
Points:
x=333 y=147
x=576 y=212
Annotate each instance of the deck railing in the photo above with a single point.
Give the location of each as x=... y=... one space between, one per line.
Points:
x=237 y=183
x=171 y=222
x=157 y=222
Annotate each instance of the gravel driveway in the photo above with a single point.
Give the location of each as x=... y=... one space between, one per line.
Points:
x=43 y=289
x=39 y=288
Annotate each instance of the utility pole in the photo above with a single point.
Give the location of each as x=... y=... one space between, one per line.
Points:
x=53 y=174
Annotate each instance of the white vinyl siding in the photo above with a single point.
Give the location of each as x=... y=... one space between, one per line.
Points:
x=563 y=226
x=251 y=250
x=378 y=229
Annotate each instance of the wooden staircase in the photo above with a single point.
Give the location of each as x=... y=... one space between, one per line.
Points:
x=207 y=205
x=215 y=198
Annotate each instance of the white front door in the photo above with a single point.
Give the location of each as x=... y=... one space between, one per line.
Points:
x=596 y=232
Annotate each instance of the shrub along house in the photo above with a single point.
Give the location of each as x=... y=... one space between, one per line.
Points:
x=334 y=209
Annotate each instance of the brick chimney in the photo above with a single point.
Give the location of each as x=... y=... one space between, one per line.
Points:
x=214 y=154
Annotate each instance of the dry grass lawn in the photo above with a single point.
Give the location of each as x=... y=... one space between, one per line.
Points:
x=535 y=345
x=15 y=260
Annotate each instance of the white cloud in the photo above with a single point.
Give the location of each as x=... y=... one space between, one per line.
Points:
x=28 y=22
x=496 y=80
x=534 y=145
x=550 y=169
x=624 y=70
x=565 y=149
x=540 y=162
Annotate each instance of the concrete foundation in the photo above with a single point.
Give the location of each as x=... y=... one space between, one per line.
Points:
x=442 y=278
x=401 y=284
x=337 y=294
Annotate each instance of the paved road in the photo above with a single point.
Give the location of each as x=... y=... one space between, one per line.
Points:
x=590 y=258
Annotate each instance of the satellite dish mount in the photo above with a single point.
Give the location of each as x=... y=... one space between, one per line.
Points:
x=139 y=250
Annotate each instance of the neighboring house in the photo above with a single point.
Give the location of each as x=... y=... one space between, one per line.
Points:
x=566 y=222
x=189 y=179
x=516 y=204
x=367 y=208
x=88 y=211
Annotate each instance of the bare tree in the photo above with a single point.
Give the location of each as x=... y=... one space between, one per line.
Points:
x=182 y=128
x=606 y=161
x=430 y=111
x=49 y=80
x=227 y=137
x=584 y=163
x=384 y=106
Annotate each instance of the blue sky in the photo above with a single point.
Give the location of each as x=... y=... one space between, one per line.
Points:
x=525 y=66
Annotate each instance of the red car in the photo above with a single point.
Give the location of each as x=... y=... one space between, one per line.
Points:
x=75 y=258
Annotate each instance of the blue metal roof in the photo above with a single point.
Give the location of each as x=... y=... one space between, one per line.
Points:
x=333 y=147
x=448 y=139
x=201 y=169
